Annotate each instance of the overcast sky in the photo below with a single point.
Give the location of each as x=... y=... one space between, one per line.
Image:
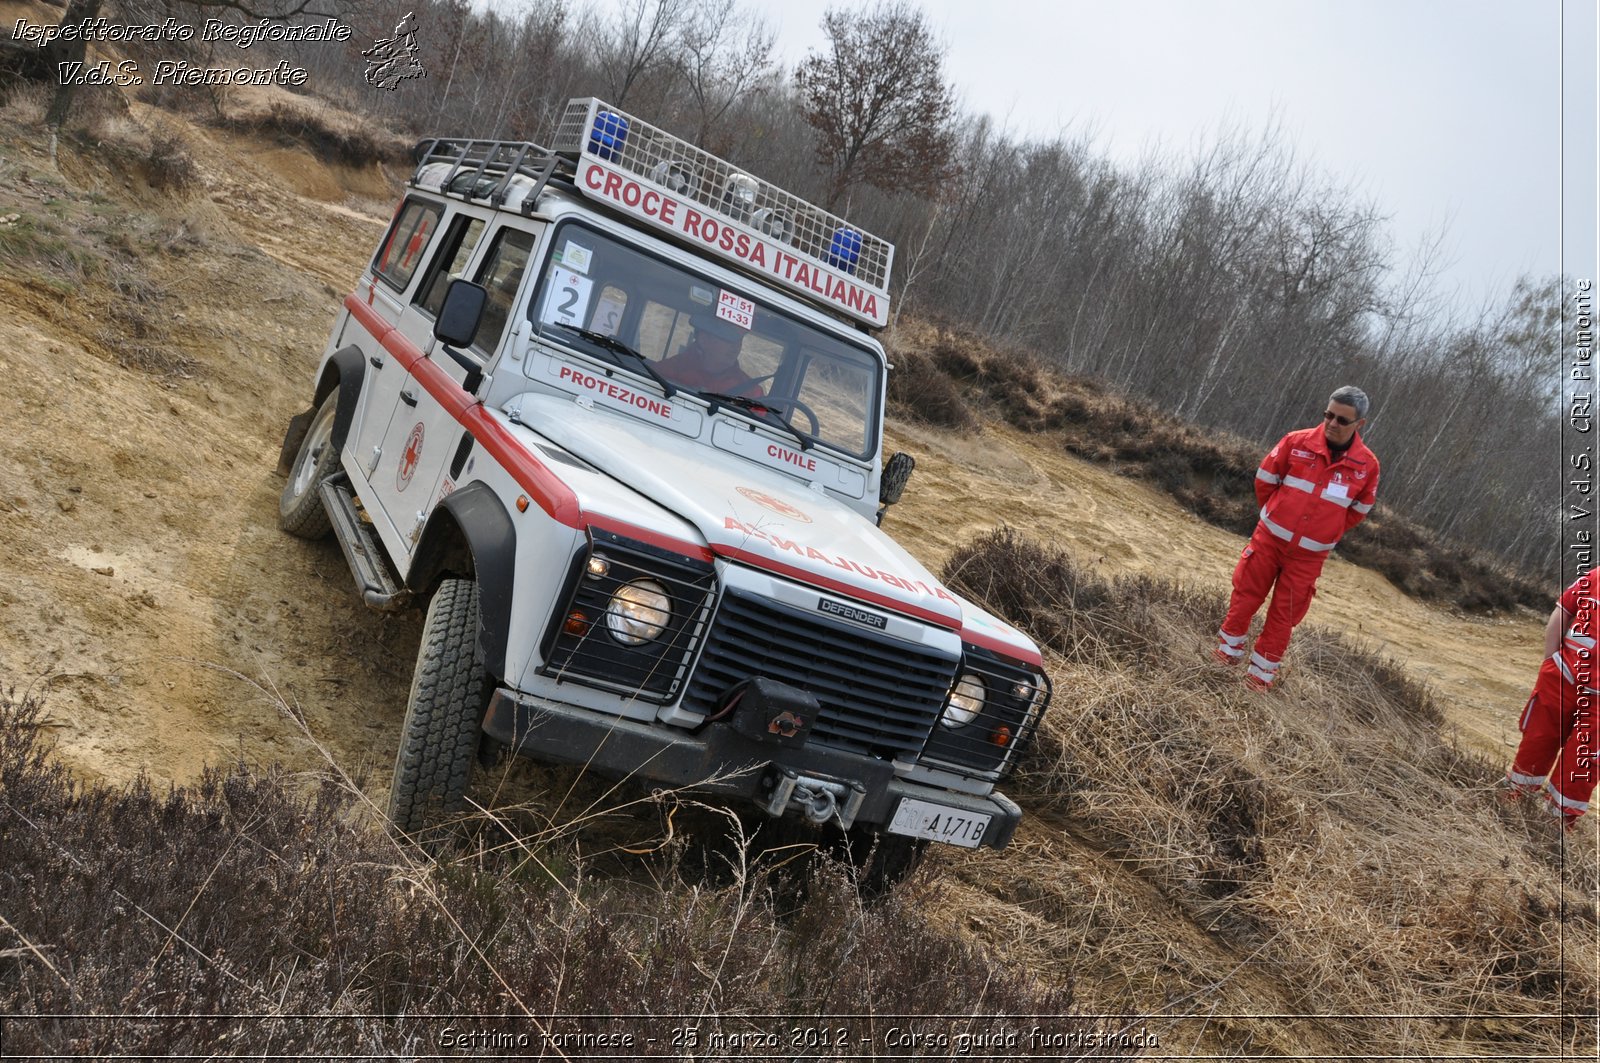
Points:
x=1440 y=113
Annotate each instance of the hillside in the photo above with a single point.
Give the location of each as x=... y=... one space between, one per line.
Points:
x=159 y=338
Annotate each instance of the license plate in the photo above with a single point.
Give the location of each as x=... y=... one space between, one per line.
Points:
x=940 y=823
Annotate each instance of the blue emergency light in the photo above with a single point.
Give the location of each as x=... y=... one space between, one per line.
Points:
x=609 y=132
x=844 y=250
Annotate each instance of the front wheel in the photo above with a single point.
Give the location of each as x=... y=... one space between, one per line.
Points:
x=444 y=714
x=300 y=510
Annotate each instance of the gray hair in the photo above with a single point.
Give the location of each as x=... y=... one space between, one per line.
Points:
x=1352 y=396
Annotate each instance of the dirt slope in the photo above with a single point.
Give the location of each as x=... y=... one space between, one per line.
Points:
x=964 y=486
x=145 y=585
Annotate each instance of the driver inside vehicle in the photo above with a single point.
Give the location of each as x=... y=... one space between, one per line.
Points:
x=710 y=360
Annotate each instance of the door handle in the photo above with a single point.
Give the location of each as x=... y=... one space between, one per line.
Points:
x=408 y=398
x=375 y=361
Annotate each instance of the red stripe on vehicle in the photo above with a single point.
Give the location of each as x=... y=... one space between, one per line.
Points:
x=533 y=476
x=1011 y=651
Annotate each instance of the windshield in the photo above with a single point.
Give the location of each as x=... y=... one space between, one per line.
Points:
x=706 y=339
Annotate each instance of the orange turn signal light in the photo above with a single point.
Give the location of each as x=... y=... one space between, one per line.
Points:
x=522 y=503
x=577 y=623
x=1001 y=736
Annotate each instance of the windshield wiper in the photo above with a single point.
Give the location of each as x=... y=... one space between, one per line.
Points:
x=763 y=409
x=611 y=343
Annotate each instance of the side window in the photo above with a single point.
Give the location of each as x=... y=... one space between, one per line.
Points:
x=449 y=262
x=402 y=249
x=501 y=274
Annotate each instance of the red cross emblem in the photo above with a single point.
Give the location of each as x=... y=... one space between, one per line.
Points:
x=408 y=460
x=777 y=505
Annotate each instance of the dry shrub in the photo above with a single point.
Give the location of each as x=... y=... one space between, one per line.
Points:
x=919 y=390
x=1009 y=384
x=954 y=375
x=165 y=912
x=23 y=105
x=167 y=164
x=1325 y=830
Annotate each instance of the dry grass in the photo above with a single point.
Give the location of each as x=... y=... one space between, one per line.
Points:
x=84 y=259
x=1326 y=831
x=282 y=898
x=954 y=378
x=331 y=134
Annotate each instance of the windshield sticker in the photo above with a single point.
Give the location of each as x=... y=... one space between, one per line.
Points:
x=741 y=312
x=608 y=314
x=567 y=301
x=777 y=505
x=575 y=257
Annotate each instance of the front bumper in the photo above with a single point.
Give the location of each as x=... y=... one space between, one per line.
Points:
x=718 y=760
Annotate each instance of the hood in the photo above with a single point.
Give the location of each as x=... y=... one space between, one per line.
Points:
x=747 y=513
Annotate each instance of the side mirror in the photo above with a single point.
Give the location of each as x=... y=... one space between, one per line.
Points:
x=896 y=473
x=457 y=324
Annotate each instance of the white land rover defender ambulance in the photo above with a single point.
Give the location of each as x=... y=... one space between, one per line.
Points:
x=610 y=409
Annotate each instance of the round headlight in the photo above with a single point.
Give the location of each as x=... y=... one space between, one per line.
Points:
x=638 y=612
x=966 y=701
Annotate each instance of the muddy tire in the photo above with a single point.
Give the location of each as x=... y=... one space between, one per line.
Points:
x=444 y=714
x=300 y=511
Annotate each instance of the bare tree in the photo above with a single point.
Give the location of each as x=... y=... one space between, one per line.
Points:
x=878 y=99
x=640 y=43
x=71 y=48
x=725 y=57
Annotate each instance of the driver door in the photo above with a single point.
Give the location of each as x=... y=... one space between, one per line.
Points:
x=424 y=435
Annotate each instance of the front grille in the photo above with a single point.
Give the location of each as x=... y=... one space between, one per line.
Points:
x=878 y=696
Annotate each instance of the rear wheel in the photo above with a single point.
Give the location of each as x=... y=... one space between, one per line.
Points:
x=300 y=511
x=444 y=714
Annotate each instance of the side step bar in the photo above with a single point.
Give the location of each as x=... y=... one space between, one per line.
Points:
x=378 y=586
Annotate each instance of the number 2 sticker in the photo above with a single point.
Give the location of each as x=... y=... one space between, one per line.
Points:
x=566 y=301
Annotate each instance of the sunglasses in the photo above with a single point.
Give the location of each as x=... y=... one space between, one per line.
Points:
x=1342 y=422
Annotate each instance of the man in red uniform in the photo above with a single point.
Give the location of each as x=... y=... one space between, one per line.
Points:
x=1314 y=486
x=1557 y=752
x=710 y=360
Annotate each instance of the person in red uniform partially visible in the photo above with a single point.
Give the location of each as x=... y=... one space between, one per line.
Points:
x=710 y=360
x=1314 y=486
x=1557 y=752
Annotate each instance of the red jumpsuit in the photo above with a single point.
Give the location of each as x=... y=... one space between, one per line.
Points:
x=1308 y=501
x=1558 y=725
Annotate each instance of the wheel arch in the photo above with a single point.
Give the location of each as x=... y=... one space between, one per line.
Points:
x=344 y=370
x=470 y=533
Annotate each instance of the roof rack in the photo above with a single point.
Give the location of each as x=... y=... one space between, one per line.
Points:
x=503 y=173
x=668 y=184
x=776 y=234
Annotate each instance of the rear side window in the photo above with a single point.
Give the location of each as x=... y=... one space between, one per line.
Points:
x=402 y=249
x=449 y=262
